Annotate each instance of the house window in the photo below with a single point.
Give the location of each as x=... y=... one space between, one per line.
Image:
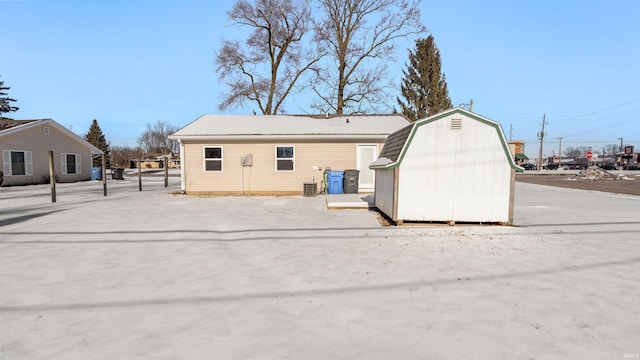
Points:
x=285 y=158
x=70 y=163
x=45 y=130
x=213 y=159
x=17 y=163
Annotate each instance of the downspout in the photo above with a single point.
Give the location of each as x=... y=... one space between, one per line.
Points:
x=183 y=184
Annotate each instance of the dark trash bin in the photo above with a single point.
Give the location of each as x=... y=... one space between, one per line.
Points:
x=351 y=178
x=335 y=181
x=116 y=174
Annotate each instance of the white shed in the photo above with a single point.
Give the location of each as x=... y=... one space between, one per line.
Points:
x=454 y=166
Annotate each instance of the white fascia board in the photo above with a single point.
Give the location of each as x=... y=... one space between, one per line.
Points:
x=280 y=137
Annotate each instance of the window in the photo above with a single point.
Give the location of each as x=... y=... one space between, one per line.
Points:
x=45 y=130
x=70 y=163
x=284 y=158
x=212 y=159
x=15 y=162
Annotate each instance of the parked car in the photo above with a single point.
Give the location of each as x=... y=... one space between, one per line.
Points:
x=528 y=166
x=574 y=167
x=608 y=166
x=633 y=167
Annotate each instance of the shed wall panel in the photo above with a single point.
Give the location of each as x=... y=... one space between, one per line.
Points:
x=459 y=175
x=384 y=193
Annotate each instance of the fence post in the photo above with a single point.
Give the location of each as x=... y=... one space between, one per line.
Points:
x=140 y=174
x=166 y=171
x=52 y=177
x=104 y=175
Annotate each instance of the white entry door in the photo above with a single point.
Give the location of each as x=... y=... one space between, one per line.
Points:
x=366 y=155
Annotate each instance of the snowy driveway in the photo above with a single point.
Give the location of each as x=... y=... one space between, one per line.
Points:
x=150 y=275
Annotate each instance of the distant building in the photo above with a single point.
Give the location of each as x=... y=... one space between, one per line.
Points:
x=25 y=146
x=517 y=149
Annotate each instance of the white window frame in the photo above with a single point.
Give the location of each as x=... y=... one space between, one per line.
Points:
x=205 y=160
x=45 y=130
x=63 y=164
x=293 y=158
x=7 y=165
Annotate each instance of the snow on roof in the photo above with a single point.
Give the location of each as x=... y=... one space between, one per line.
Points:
x=6 y=124
x=291 y=125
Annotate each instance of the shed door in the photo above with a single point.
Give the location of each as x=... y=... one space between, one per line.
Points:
x=366 y=155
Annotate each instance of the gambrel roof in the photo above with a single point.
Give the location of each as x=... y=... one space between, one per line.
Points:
x=397 y=143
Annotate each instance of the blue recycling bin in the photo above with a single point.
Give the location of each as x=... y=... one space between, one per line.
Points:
x=335 y=178
x=96 y=173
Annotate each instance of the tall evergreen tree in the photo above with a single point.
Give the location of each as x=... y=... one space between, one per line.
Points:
x=5 y=101
x=424 y=86
x=97 y=139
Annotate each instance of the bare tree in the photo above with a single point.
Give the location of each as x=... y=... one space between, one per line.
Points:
x=275 y=48
x=121 y=156
x=612 y=149
x=579 y=151
x=360 y=34
x=155 y=140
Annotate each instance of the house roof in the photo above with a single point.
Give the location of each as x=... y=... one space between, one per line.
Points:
x=9 y=123
x=291 y=126
x=397 y=143
x=14 y=126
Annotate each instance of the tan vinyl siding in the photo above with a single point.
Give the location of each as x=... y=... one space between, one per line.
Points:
x=34 y=139
x=262 y=178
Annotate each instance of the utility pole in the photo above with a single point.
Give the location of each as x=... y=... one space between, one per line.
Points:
x=560 y=151
x=541 y=136
x=471 y=105
x=510 y=131
x=621 y=151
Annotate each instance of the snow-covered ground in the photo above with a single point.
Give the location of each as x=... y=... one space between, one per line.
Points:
x=151 y=275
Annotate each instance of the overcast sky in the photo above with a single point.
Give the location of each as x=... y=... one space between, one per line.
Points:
x=130 y=63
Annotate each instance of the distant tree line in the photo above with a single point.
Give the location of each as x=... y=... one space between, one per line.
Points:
x=153 y=142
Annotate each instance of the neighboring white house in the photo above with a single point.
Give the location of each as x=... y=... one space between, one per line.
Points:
x=25 y=146
x=454 y=166
x=277 y=154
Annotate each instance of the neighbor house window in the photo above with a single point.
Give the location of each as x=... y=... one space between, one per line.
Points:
x=45 y=130
x=70 y=163
x=213 y=158
x=17 y=163
x=285 y=158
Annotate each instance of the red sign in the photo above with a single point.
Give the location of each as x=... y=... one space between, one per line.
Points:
x=589 y=154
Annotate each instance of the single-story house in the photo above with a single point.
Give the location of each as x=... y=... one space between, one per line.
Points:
x=278 y=154
x=454 y=166
x=25 y=146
